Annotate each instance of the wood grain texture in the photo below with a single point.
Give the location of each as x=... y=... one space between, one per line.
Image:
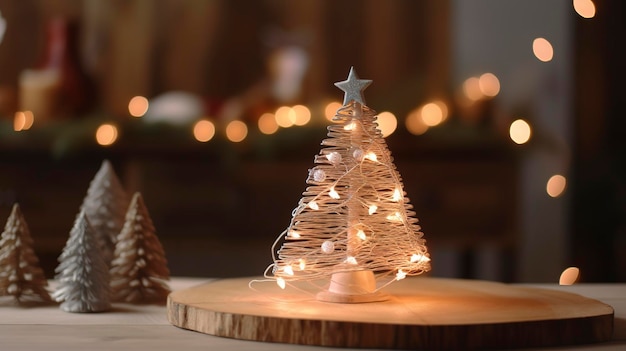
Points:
x=422 y=312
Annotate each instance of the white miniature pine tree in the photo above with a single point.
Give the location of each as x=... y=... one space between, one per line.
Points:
x=139 y=272
x=105 y=205
x=20 y=273
x=354 y=230
x=82 y=273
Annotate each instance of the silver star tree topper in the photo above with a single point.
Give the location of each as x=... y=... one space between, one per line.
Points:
x=353 y=88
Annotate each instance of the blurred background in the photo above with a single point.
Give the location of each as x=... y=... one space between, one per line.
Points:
x=504 y=119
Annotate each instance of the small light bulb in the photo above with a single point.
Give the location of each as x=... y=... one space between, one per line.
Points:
x=350 y=126
x=333 y=193
x=288 y=270
x=371 y=156
x=302 y=264
x=400 y=275
x=397 y=195
x=419 y=258
x=294 y=234
x=361 y=234
x=313 y=205
x=372 y=209
x=281 y=282
x=351 y=260
x=394 y=217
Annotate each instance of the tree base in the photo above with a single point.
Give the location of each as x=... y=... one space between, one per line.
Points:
x=352 y=287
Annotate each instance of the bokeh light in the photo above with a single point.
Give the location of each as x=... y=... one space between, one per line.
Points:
x=138 y=106
x=106 y=134
x=285 y=116
x=204 y=130
x=543 y=49
x=23 y=120
x=267 y=123
x=331 y=110
x=520 y=131
x=585 y=8
x=471 y=89
x=414 y=123
x=556 y=185
x=489 y=84
x=236 y=131
x=432 y=114
x=303 y=115
x=387 y=123
x=569 y=276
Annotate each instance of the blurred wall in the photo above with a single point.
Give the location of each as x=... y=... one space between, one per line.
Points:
x=497 y=36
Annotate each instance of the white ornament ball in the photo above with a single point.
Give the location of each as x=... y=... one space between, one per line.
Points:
x=319 y=175
x=328 y=247
x=357 y=154
x=334 y=158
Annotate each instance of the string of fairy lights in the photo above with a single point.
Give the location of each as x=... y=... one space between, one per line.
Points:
x=417 y=122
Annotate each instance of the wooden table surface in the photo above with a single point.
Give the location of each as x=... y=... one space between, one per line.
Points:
x=130 y=327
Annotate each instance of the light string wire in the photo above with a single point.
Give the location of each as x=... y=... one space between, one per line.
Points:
x=354 y=215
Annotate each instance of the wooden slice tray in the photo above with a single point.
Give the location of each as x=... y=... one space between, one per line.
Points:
x=423 y=313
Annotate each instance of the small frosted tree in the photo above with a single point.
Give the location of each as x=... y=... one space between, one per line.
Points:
x=82 y=273
x=20 y=273
x=354 y=230
x=139 y=272
x=105 y=205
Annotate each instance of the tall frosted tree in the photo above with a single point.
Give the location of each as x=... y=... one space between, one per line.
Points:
x=105 y=206
x=82 y=273
x=139 y=272
x=354 y=230
x=20 y=273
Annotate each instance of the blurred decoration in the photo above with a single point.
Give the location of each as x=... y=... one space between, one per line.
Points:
x=175 y=107
x=57 y=87
x=287 y=67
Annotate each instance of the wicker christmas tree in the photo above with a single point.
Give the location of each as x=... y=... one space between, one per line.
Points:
x=82 y=273
x=20 y=273
x=139 y=272
x=354 y=230
x=105 y=205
